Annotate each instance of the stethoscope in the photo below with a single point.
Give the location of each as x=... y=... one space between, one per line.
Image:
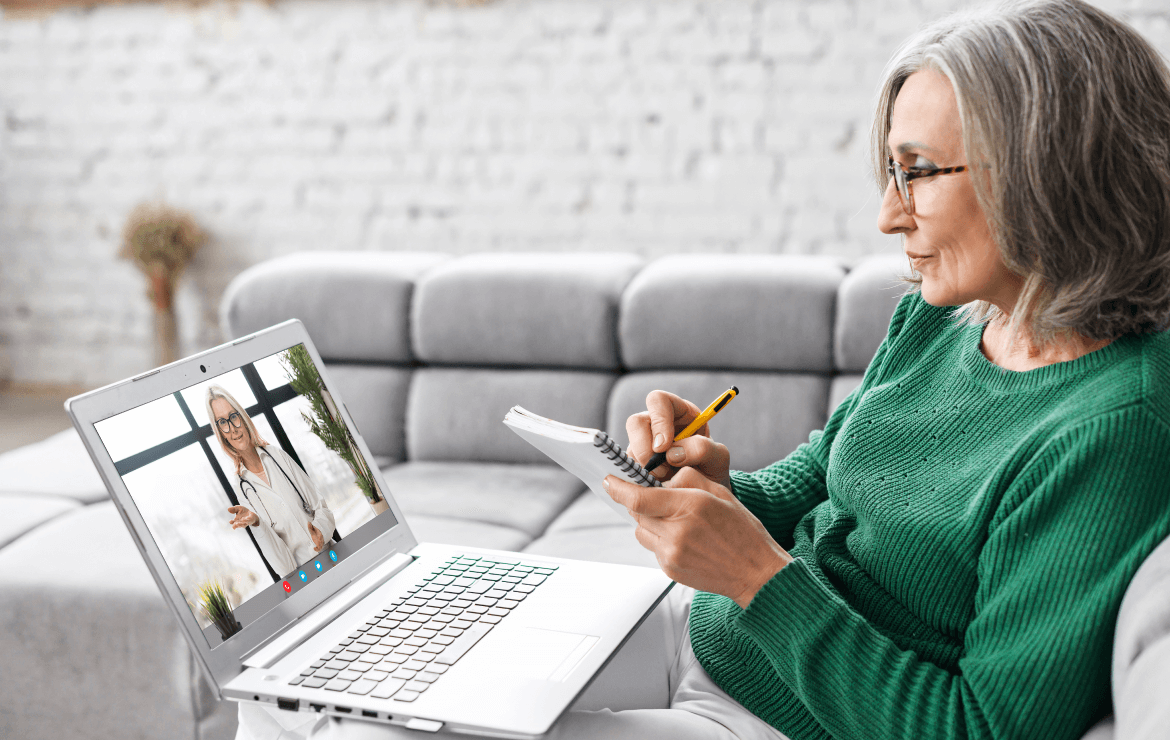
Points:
x=250 y=484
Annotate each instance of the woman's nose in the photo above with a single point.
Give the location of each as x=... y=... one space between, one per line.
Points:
x=892 y=218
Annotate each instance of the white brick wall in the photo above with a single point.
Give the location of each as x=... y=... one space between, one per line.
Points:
x=652 y=126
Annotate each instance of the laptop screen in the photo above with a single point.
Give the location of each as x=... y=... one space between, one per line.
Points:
x=251 y=485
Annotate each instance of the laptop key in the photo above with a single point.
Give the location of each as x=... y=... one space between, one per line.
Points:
x=414 y=665
x=508 y=604
x=362 y=687
x=401 y=633
x=326 y=673
x=416 y=685
x=437 y=668
x=349 y=675
x=405 y=695
x=496 y=612
x=489 y=619
x=387 y=688
x=442 y=639
x=314 y=682
x=523 y=589
x=480 y=587
x=376 y=675
x=533 y=580
x=405 y=673
x=337 y=684
x=466 y=641
x=296 y=680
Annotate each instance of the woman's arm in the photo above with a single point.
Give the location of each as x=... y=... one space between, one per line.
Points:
x=321 y=516
x=1070 y=534
x=782 y=493
x=275 y=551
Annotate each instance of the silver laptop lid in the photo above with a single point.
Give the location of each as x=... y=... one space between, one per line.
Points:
x=166 y=443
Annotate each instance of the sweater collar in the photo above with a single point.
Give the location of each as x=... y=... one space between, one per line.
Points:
x=993 y=377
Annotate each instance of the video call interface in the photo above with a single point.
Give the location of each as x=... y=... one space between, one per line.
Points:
x=251 y=484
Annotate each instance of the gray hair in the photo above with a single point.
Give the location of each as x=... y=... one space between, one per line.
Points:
x=1067 y=111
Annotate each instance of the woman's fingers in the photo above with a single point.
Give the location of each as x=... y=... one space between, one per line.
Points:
x=703 y=454
x=669 y=414
x=648 y=502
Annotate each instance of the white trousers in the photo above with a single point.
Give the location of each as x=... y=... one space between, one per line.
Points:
x=653 y=687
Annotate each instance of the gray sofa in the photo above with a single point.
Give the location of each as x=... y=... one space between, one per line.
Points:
x=429 y=352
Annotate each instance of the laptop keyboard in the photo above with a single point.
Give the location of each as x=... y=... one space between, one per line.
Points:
x=403 y=649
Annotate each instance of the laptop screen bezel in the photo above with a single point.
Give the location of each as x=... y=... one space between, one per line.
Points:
x=224 y=661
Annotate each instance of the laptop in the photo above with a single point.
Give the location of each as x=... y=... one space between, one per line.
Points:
x=295 y=576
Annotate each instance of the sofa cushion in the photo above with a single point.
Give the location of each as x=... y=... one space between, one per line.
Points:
x=761 y=312
x=522 y=497
x=841 y=387
x=355 y=305
x=865 y=303
x=615 y=544
x=445 y=530
x=458 y=414
x=25 y=513
x=772 y=416
x=86 y=628
x=376 y=398
x=587 y=512
x=523 y=310
x=57 y=466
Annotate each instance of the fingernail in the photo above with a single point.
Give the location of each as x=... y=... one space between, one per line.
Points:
x=676 y=454
x=658 y=440
x=605 y=484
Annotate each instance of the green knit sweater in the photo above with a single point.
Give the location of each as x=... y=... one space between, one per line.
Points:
x=963 y=536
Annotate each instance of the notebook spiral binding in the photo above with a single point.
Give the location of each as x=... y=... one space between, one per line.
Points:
x=624 y=462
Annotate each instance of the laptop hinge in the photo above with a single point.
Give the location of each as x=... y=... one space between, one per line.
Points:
x=280 y=646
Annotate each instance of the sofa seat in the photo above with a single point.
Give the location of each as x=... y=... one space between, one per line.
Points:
x=57 y=466
x=591 y=530
x=80 y=610
x=522 y=497
x=26 y=513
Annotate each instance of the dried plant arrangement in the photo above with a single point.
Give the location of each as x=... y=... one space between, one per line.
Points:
x=161 y=241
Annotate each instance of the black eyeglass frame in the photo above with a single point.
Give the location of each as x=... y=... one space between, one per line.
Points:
x=233 y=420
x=903 y=176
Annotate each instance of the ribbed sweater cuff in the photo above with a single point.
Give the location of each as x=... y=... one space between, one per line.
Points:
x=788 y=616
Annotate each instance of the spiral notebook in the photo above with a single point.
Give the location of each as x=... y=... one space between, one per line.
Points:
x=589 y=454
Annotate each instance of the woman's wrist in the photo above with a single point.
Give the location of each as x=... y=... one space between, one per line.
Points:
x=780 y=558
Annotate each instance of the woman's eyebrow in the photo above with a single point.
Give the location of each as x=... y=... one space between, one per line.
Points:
x=909 y=146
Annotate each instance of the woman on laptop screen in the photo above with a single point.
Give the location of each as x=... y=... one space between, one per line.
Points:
x=289 y=518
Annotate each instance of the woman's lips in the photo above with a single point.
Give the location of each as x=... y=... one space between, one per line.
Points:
x=917 y=259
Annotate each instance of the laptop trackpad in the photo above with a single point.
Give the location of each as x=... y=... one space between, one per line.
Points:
x=545 y=654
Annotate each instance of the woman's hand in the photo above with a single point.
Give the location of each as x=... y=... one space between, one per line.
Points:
x=318 y=538
x=243 y=517
x=653 y=431
x=702 y=536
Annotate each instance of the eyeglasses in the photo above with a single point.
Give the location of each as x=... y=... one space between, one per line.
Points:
x=902 y=177
x=225 y=425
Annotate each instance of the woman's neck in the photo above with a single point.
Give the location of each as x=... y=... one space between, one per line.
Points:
x=1020 y=353
x=251 y=459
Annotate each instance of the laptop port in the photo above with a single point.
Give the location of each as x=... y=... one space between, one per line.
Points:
x=368 y=713
x=317 y=707
x=289 y=704
x=345 y=710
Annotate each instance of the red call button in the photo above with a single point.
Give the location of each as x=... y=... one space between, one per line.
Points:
x=287 y=587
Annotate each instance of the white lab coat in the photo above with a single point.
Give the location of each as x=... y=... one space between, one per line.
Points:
x=283 y=530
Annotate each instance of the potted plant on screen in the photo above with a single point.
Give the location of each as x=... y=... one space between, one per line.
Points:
x=214 y=602
x=325 y=422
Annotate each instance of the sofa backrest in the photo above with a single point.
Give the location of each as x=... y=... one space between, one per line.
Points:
x=430 y=351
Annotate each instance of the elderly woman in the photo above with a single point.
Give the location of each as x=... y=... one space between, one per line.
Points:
x=946 y=558
x=278 y=501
